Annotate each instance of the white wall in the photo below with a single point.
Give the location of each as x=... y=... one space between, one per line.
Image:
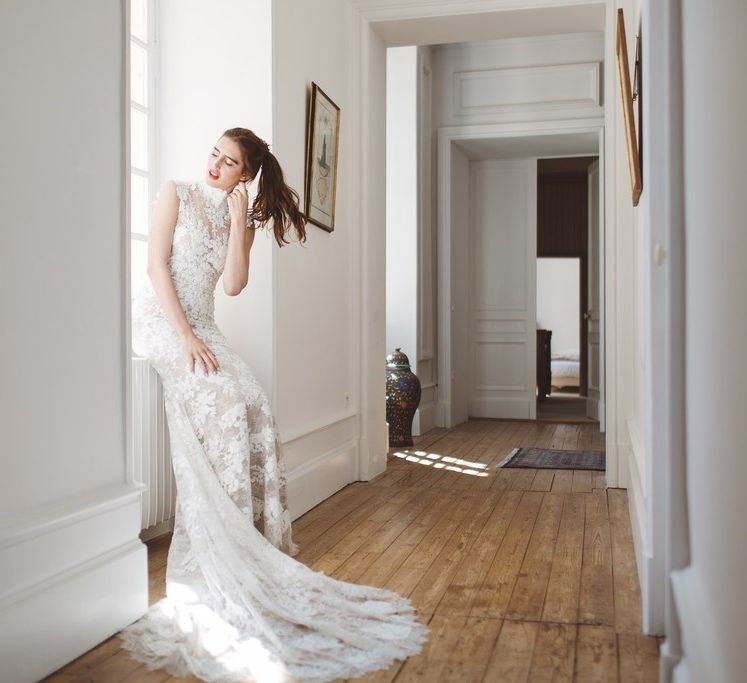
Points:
x=402 y=202
x=215 y=73
x=558 y=301
x=73 y=568
x=640 y=471
x=710 y=594
x=329 y=417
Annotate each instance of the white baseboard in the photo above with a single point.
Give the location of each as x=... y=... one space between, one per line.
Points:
x=508 y=408
x=425 y=418
x=637 y=508
x=703 y=660
x=74 y=573
x=668 y=663
x=309 y=484
x=592 y=407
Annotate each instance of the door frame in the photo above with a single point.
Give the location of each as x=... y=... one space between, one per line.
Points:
x=368 y=86
x=447 y=135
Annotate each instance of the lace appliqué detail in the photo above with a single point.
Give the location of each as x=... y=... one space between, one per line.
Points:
x=238 y=606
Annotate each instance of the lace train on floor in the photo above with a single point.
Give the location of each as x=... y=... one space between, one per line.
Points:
x=240 y=609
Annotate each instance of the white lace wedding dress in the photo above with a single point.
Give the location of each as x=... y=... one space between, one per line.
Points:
x=238 y=607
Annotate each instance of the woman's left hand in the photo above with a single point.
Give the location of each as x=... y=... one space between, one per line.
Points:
x=238 y=205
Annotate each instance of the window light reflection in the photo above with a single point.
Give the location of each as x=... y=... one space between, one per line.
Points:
x=438 y=462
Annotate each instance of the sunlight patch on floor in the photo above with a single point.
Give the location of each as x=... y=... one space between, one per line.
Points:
x=447 y=462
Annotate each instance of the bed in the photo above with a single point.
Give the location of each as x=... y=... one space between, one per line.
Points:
x=565 y=368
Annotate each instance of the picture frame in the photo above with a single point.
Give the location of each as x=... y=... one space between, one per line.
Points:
x=631 y=141
x=322 y=154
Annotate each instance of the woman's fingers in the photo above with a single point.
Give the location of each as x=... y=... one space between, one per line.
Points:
x=215 y=359
x=208 y=359
x=209 y=365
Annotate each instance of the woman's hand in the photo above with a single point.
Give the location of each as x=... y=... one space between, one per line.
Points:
x=196 y=349
x=238 y=205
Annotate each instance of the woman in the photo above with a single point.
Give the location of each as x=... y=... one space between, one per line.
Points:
x=238 y=607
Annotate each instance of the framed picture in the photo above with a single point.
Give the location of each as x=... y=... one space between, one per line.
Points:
x=322 y=145
x=631 y=141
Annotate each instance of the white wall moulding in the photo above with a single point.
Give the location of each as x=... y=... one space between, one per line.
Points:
x=321 y=460
x=73 y=572
x=425 y=415
x=531 y=88
x=704 y=657
x=318 y=478
x=558 y=16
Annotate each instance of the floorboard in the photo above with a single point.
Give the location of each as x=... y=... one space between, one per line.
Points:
x=522 y=575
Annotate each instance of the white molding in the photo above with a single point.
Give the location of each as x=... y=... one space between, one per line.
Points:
x=314 y=481
x=27 y=524
x=592 y=36
x=637 y=514
x=501 y=84
x=638 y=450
x=390 y=10
x=316 y=427
x=74 y=572
x=508 y=408
x=699 y=631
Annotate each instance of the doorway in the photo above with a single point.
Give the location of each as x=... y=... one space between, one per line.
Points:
x=568 y=287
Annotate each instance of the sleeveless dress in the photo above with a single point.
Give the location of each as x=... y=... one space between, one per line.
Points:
x=238 y=607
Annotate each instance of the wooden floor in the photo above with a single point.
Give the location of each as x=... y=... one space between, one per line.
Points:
x=522 y=575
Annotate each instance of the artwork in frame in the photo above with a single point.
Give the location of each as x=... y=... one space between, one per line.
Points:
x=631 y=142
x=322 y=146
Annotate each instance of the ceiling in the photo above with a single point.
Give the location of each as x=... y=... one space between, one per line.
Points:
x=556 y=145
x=494 y=25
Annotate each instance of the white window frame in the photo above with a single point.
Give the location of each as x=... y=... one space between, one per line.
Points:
x=151 y=45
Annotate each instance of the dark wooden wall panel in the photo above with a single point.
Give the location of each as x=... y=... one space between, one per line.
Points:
x=562 y=215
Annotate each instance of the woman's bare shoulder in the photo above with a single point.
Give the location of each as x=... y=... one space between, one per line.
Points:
x=174 y=189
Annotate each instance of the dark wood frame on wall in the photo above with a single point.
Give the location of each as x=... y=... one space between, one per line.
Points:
x=626 y=93
x=313 y=158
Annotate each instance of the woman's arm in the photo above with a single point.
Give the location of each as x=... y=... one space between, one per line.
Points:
x=236 y=271
x=159 y=249
x=240 y=240
x=160 y=242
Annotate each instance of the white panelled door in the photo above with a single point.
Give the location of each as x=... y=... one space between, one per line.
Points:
x=502 y=292
x=593 y=313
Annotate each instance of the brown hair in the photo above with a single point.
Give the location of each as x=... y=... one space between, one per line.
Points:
x=275 y=200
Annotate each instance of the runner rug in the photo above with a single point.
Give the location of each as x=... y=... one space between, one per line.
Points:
x=550 y=459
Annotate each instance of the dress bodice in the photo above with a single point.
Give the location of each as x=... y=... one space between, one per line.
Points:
x=198 y=253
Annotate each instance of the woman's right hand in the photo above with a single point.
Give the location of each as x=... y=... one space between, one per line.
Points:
x=196 y=349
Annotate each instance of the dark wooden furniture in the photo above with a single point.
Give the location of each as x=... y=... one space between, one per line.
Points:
x=544 y=369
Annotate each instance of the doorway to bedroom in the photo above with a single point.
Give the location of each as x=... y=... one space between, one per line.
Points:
x=567 y=286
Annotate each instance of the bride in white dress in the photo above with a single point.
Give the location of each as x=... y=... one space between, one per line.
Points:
x=238 y=607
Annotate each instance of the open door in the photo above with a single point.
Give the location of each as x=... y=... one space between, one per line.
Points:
x=592 y=315
x=502 y=271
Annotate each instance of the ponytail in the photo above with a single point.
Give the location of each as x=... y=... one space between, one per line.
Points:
x=275 y=201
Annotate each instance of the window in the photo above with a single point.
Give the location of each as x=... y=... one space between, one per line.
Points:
x=142 y=134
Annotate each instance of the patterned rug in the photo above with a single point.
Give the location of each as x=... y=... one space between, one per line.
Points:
x=550 y=459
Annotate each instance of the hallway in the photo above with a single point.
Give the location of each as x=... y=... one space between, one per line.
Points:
x=523 y=575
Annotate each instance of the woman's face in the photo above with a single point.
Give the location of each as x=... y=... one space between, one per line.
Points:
x=225 y=166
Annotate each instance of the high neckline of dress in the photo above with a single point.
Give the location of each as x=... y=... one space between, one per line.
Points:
x=216 y=194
